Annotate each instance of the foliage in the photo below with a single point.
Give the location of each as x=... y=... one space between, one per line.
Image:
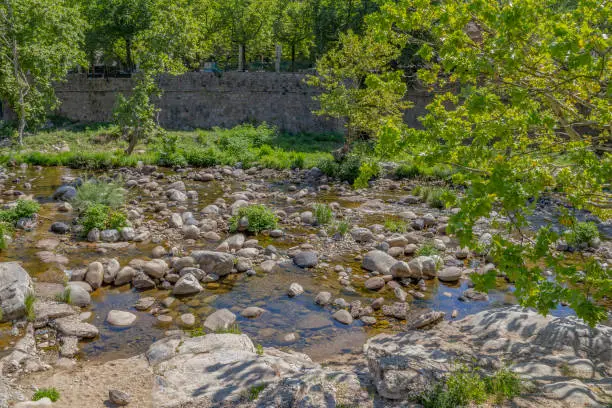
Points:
x=64 y=296
x=51 y=393
x=102 y=217
x=39 y=42
x=109 y=194
x=503 y=385
x=29 y=301
x=582 y=233
x=259 y=349
x=408 y=171
x=6 y=230
x=255 y=390
x=136 y=115
x=345 y=170
x=293 y=27
x=260 y=218
x=462 y=387
x=393 y=225
x=339 y=227
x=169 y=154
x=522 y=109
x=323 y=213
x=427 y=249
x=23 y=209
x=197 y=332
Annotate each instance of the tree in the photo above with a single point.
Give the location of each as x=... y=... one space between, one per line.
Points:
x=359 y=85
x=39 y=42
x=522 y=110
x=293 y=27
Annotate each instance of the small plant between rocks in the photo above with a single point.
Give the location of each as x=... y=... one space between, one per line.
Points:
x=29 y=301
x=259 y=218
x=51 y=393
x=255 y=391
x=323 y=214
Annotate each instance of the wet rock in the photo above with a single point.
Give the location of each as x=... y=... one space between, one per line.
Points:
x=450 y=274
x=95 y=275
x=48 y=244
x=252 y=312
x=323 y=298
x=343 y=316
x=187 y=285
x=64 y=207
x=120 y=318
x=362 y=235
x=306 y=259
x=144 y=303
x=221 y=319
x=118 y=397
x=295 y=289
x=78 y=296
x=125 y=275
x=425 y=319
x=399 y=310
x=219 y=263
x=64 y=193
x=72 y=326
x=473 y=294
x=111 y=268
x=187 y=319
x=15 y=285
x=60 y=228
x=375 y=283
x=378 y=261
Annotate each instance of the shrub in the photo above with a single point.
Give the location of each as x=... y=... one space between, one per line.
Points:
x=462 y=387
x=435 y=197
x=503 y=385
x=392 y=225
x=23 y=209
x=582 y=233
x=255 y=391
x=259 y=349
x=260 y=218
x=408 y=171
x=51 y=393
x=99 y=192
x=427 y=249
x=102 y=217
x=29 y=301
x=6 y=230
x=323 y=214
x=345 y=170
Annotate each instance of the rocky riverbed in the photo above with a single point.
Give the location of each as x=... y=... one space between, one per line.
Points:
x=308 y=300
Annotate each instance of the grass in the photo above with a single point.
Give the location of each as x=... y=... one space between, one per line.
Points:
x=51 y=393
x=197 y=332
x=23 y=209
x=339 y=227
x=408 y=171
x=392 y=225
x=467 y=386
x=260 y=218
x=582 y=233
x=259 y=349
x=1 y=314
x=255 y=390
x=435 y=197
x=29 y=301
x=91 y=192
x=323 y=214
x=231 y=329
x=64 y=296
x=427 y=249
x=6 y=231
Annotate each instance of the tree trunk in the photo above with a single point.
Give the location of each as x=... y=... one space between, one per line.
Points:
x=244 y=58
x=128 y=54
x=21 y=112
x=292 y=57
x=133 y=141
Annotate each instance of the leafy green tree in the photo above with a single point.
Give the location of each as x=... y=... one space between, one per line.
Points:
x=359 y=85
x=522 y=110
x=39 y=42
x=293 y=28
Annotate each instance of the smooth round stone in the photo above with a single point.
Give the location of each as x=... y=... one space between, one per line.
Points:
x=375 y=283
x=450 y=274
x=164 y=319
x=118 y=397
x=145 y=303
x=252 y=312
x=187 y=319
x=120 y=318
x=343 y=316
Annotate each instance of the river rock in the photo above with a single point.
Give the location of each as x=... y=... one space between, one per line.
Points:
x=60 y=228
x=375 y=283
x=191 y=232
x=343 y=316
x=306 y=259
x=64 y=193
x=125 y=275
x=252 y=312
x=127 y=233
x=15 y=285
x=221 y=319
x=219 y=263
x=187 y=285
x=235 y=241
x=118 y=397
x=72 y=326
x=110 y=235
x=362 y=235
x=323 y=298
x=295 y=289
x=120 y=318
x=378 y=261
x=95 y=275
x=176 y=221
x=111 y=268
x=156 y=268
x=141 y=281
x=144 y=303
x=450 y=274
x=78 y=296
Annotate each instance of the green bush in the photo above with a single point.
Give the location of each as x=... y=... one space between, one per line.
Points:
x=582 y=233
x=503 y=385
x=23 y=209
x=392 y=225
x=323 y=214
x=95 y=192
x=102 y=217
x=427 y=249
x=435 y=197
x=260 y=218
x=461 y=388
x=51 y=393
x=346 y=170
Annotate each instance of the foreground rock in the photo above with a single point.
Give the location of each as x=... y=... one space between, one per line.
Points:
x=569 y=363
x=15 y=285
x=221 y=369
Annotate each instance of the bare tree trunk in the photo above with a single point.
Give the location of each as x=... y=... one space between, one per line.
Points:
x=244 y=58
x=132 y=144
x=21 y=113
x=292 y=57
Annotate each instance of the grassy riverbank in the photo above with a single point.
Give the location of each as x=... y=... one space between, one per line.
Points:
x=98 y=147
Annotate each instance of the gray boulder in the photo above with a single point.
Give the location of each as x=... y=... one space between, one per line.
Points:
x=306 y=259
x=378 y=261
x=15 y=285
x=219 y=263
x=220 y=320
x=187 y=285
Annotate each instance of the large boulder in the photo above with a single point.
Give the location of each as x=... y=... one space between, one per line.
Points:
x=542 y=349
x=219 y=263
x=64 y=193
x=306 y=259
x=378 y=261
x=15 y=285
